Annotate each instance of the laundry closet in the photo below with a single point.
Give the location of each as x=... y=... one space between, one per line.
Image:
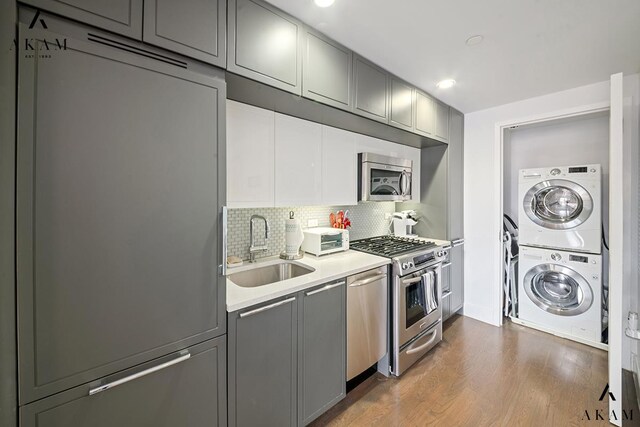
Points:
x=556 y=221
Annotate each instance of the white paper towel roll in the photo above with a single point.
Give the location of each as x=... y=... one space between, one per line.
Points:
x=293 y=235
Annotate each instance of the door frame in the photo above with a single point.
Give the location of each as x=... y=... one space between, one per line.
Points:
x=498 y=180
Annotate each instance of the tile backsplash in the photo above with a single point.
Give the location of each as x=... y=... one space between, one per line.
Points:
x=367 y=220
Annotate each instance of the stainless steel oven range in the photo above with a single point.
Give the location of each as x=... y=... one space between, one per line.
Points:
x=415 y=296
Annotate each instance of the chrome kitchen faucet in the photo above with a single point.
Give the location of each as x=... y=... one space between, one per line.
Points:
x=253 y=249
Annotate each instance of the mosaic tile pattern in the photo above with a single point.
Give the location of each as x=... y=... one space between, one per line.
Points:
x=367 y=220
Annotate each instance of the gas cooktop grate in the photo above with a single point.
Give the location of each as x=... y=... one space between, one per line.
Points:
x=390 y=246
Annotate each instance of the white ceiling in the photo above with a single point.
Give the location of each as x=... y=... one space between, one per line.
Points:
x=530 y=47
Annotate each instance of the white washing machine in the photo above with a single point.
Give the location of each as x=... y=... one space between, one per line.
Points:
x=561 y=208
x=561 y=291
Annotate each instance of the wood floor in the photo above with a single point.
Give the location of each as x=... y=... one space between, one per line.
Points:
x=481 y=375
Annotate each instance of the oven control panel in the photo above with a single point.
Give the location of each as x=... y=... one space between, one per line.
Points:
x=410 y=263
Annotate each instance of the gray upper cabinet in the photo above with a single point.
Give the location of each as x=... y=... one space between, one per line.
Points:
x=327 y=71
x=118 y=200
x=189 y=390
x=265 y=44
x=402 y=104
x=194 y=28
x=322 y=379
x=442 y=121
x=371 y=90
x=425 y=114
x=119 y=16
x=263 y=365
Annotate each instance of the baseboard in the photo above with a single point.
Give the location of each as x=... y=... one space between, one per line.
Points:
x=521 y=322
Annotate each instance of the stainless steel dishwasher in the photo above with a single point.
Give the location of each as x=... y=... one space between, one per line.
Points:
x=367 y=308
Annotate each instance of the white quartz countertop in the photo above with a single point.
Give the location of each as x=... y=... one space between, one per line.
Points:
x=327 y=268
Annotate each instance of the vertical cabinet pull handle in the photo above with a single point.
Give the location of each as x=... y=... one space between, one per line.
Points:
x=140 y=374
x=267 y=307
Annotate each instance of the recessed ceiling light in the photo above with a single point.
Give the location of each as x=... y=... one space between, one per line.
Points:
x=324 y=3
x=446 y=84
x=474 y=40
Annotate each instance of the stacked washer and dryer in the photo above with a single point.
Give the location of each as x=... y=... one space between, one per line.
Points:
x=560 y=269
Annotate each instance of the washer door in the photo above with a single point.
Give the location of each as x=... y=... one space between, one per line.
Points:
x=558 y=290
x=558 y=204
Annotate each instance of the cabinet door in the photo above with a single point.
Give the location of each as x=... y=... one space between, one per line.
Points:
x=446 y=306
x=117 y=206
x=263 y=365
x=425 y=114
x=442 y=121
x=339 y=167
x=119 y=16
x=188 y=390
x=265 y=44
x=455 y=153
x=402 y=103
x=323 y=351
x=298 y=162
x=457 y=278
x=195 y=28
x=371 y=90
x=250 y=156
x=327 y=72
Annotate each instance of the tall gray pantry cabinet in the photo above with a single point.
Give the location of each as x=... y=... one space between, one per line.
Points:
x=120 y=182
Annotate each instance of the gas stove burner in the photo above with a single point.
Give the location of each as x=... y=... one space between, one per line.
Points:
x=390 y=246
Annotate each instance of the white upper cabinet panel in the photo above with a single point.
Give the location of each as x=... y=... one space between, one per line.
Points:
x=298 y=165
x=339 y=167
x=250 y=156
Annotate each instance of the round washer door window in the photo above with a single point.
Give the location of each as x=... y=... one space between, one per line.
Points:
x=558 y=204
x=558 y=290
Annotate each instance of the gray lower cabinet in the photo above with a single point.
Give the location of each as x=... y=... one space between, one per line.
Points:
x=322 y=355
x=327 y=70
x=446 y=306
x=371 y=90
x=265 y=44
x=402 y=113
x=186 y=388
x=119 y=16
x=263 y=364
x=120 y=183
x=194 y=28
x=287 y=358
x=457 y=277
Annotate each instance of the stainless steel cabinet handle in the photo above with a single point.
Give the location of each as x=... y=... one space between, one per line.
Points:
x=457 y=242
x=325 y=288
x=445 y=265
x=267 y=307
x=367 y=280
x=137 y=375
x=425 y=345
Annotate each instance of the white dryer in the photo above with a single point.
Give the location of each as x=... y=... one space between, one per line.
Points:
x=561 y=207
x=561 y=291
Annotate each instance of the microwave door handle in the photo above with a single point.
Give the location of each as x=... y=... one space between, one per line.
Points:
x=403 y=183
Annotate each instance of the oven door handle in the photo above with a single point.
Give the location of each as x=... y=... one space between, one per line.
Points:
x=434 y=333
x=410 y=281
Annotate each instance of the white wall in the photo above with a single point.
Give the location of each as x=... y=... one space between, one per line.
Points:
x=481 y=193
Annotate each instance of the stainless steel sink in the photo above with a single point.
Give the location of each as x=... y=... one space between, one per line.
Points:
x=268 y=274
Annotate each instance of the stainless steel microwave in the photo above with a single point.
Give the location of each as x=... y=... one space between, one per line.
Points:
x=383 y=178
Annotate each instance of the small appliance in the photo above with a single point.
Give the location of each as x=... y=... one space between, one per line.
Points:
x=403 y=223
x=325 y=240
x=383 y=178
x=561 y=208
x=561 y=291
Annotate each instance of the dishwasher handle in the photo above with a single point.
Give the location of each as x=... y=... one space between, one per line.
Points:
x=368 y=280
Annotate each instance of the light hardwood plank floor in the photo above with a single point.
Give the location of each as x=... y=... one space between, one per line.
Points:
x=481 y=375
